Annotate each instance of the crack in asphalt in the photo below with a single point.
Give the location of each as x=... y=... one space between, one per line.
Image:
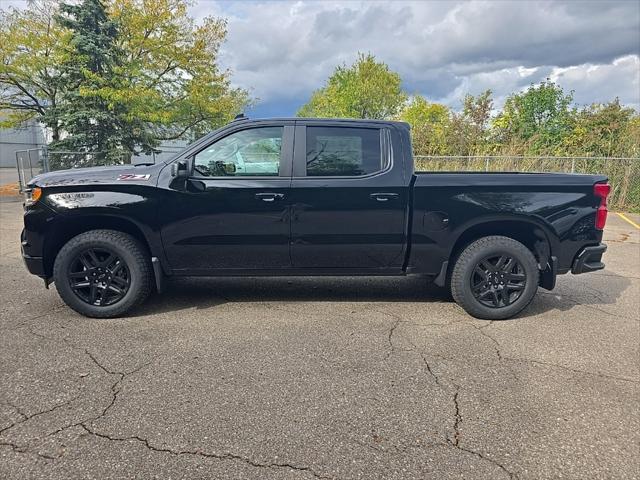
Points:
x=17 y=326
x=497 y=345
x=511 y=474
x=27 y=417
x=574 y=370
x=436 y=378
x=389 y=338
x=599 y=294
x=21 y=450
x=457 y=418
x=200 y=453
x=456 y=441
x=115 y=387
x=115 y=390
x=457 y=415
x=16 y=408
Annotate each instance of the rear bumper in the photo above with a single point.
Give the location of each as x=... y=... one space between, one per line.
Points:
x=589 y=259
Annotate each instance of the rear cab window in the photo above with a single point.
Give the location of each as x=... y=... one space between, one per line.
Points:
x=343 y=151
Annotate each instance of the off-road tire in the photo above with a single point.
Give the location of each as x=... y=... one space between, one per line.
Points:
x=129 y=250
x=472 y=255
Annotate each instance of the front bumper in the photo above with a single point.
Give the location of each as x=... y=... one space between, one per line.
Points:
x=35 y=265
x=589 y=259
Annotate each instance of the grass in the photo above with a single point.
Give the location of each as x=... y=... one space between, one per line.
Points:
x=623 y=174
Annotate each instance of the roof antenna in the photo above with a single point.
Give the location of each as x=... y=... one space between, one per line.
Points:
x=240 y=116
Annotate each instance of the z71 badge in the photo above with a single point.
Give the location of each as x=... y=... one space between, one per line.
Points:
x=133 y=176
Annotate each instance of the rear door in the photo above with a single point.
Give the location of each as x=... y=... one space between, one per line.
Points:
x=234 y=215
x=348 y=199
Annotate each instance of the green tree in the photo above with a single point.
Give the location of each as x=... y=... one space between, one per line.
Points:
x=604 y=130
x=171 y=68
x=94 y=124
x=366 y=89
x=468 y=132
x=31 y=51
x=476 y=115
x=540 y=118
x=430 y=123
x=165 y=84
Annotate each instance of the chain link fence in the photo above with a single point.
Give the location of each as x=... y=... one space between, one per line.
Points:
x=29 y=164
x=61 y=160
x=40 y=160
x=34 y=161
x=623 y=173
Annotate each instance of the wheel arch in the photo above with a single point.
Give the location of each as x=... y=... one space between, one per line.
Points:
x=67 y=227
x=531 y=234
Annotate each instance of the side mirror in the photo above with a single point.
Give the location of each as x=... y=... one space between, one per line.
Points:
x=224 y=168
x=180 y=169
x=230 y=168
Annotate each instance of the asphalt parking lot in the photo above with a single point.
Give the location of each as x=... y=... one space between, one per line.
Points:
x=322 y=378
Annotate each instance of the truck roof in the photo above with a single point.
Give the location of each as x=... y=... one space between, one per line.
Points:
x=241 y=119
x=315 y=119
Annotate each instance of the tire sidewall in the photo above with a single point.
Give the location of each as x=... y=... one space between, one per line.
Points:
x=461 y=281
x=70 y=252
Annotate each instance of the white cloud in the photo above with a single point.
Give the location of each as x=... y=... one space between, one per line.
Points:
x=282 y=51
x=600 y=83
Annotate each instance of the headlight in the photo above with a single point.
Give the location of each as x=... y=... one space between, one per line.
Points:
x=32 y=195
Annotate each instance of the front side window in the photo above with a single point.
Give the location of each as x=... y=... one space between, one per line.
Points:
x=341 y=151
x=253 y=152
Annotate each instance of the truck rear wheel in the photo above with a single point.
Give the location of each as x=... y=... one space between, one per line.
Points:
x=494 y=278
x=103 y=273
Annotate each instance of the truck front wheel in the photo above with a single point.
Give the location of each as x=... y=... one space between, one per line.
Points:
x=103 y=273
x=494 y=278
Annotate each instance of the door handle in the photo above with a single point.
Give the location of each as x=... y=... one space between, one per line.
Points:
x=269 y=197
x=384 y=197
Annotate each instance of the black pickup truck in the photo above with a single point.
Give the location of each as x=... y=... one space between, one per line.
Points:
x=309 y=197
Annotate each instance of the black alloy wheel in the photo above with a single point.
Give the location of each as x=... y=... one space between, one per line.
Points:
x=103 y=273
x=498 y=281
x=99 y=277
x=494 y=277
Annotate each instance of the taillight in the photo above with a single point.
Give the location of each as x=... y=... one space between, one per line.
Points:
x=601 y=191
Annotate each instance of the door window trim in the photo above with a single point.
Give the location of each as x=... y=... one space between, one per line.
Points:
x=300 y=153
x=286 y=154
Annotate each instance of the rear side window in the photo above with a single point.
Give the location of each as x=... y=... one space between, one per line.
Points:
x=340 y=151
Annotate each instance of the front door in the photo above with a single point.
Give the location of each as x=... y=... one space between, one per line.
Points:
x=234 y=214
x=349 y=202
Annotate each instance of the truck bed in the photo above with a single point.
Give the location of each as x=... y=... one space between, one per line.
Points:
x=559 y=206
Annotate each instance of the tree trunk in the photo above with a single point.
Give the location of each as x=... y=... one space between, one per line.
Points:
x=55 y=134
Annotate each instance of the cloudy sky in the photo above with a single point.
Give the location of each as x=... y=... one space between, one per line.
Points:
x=282 y=51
